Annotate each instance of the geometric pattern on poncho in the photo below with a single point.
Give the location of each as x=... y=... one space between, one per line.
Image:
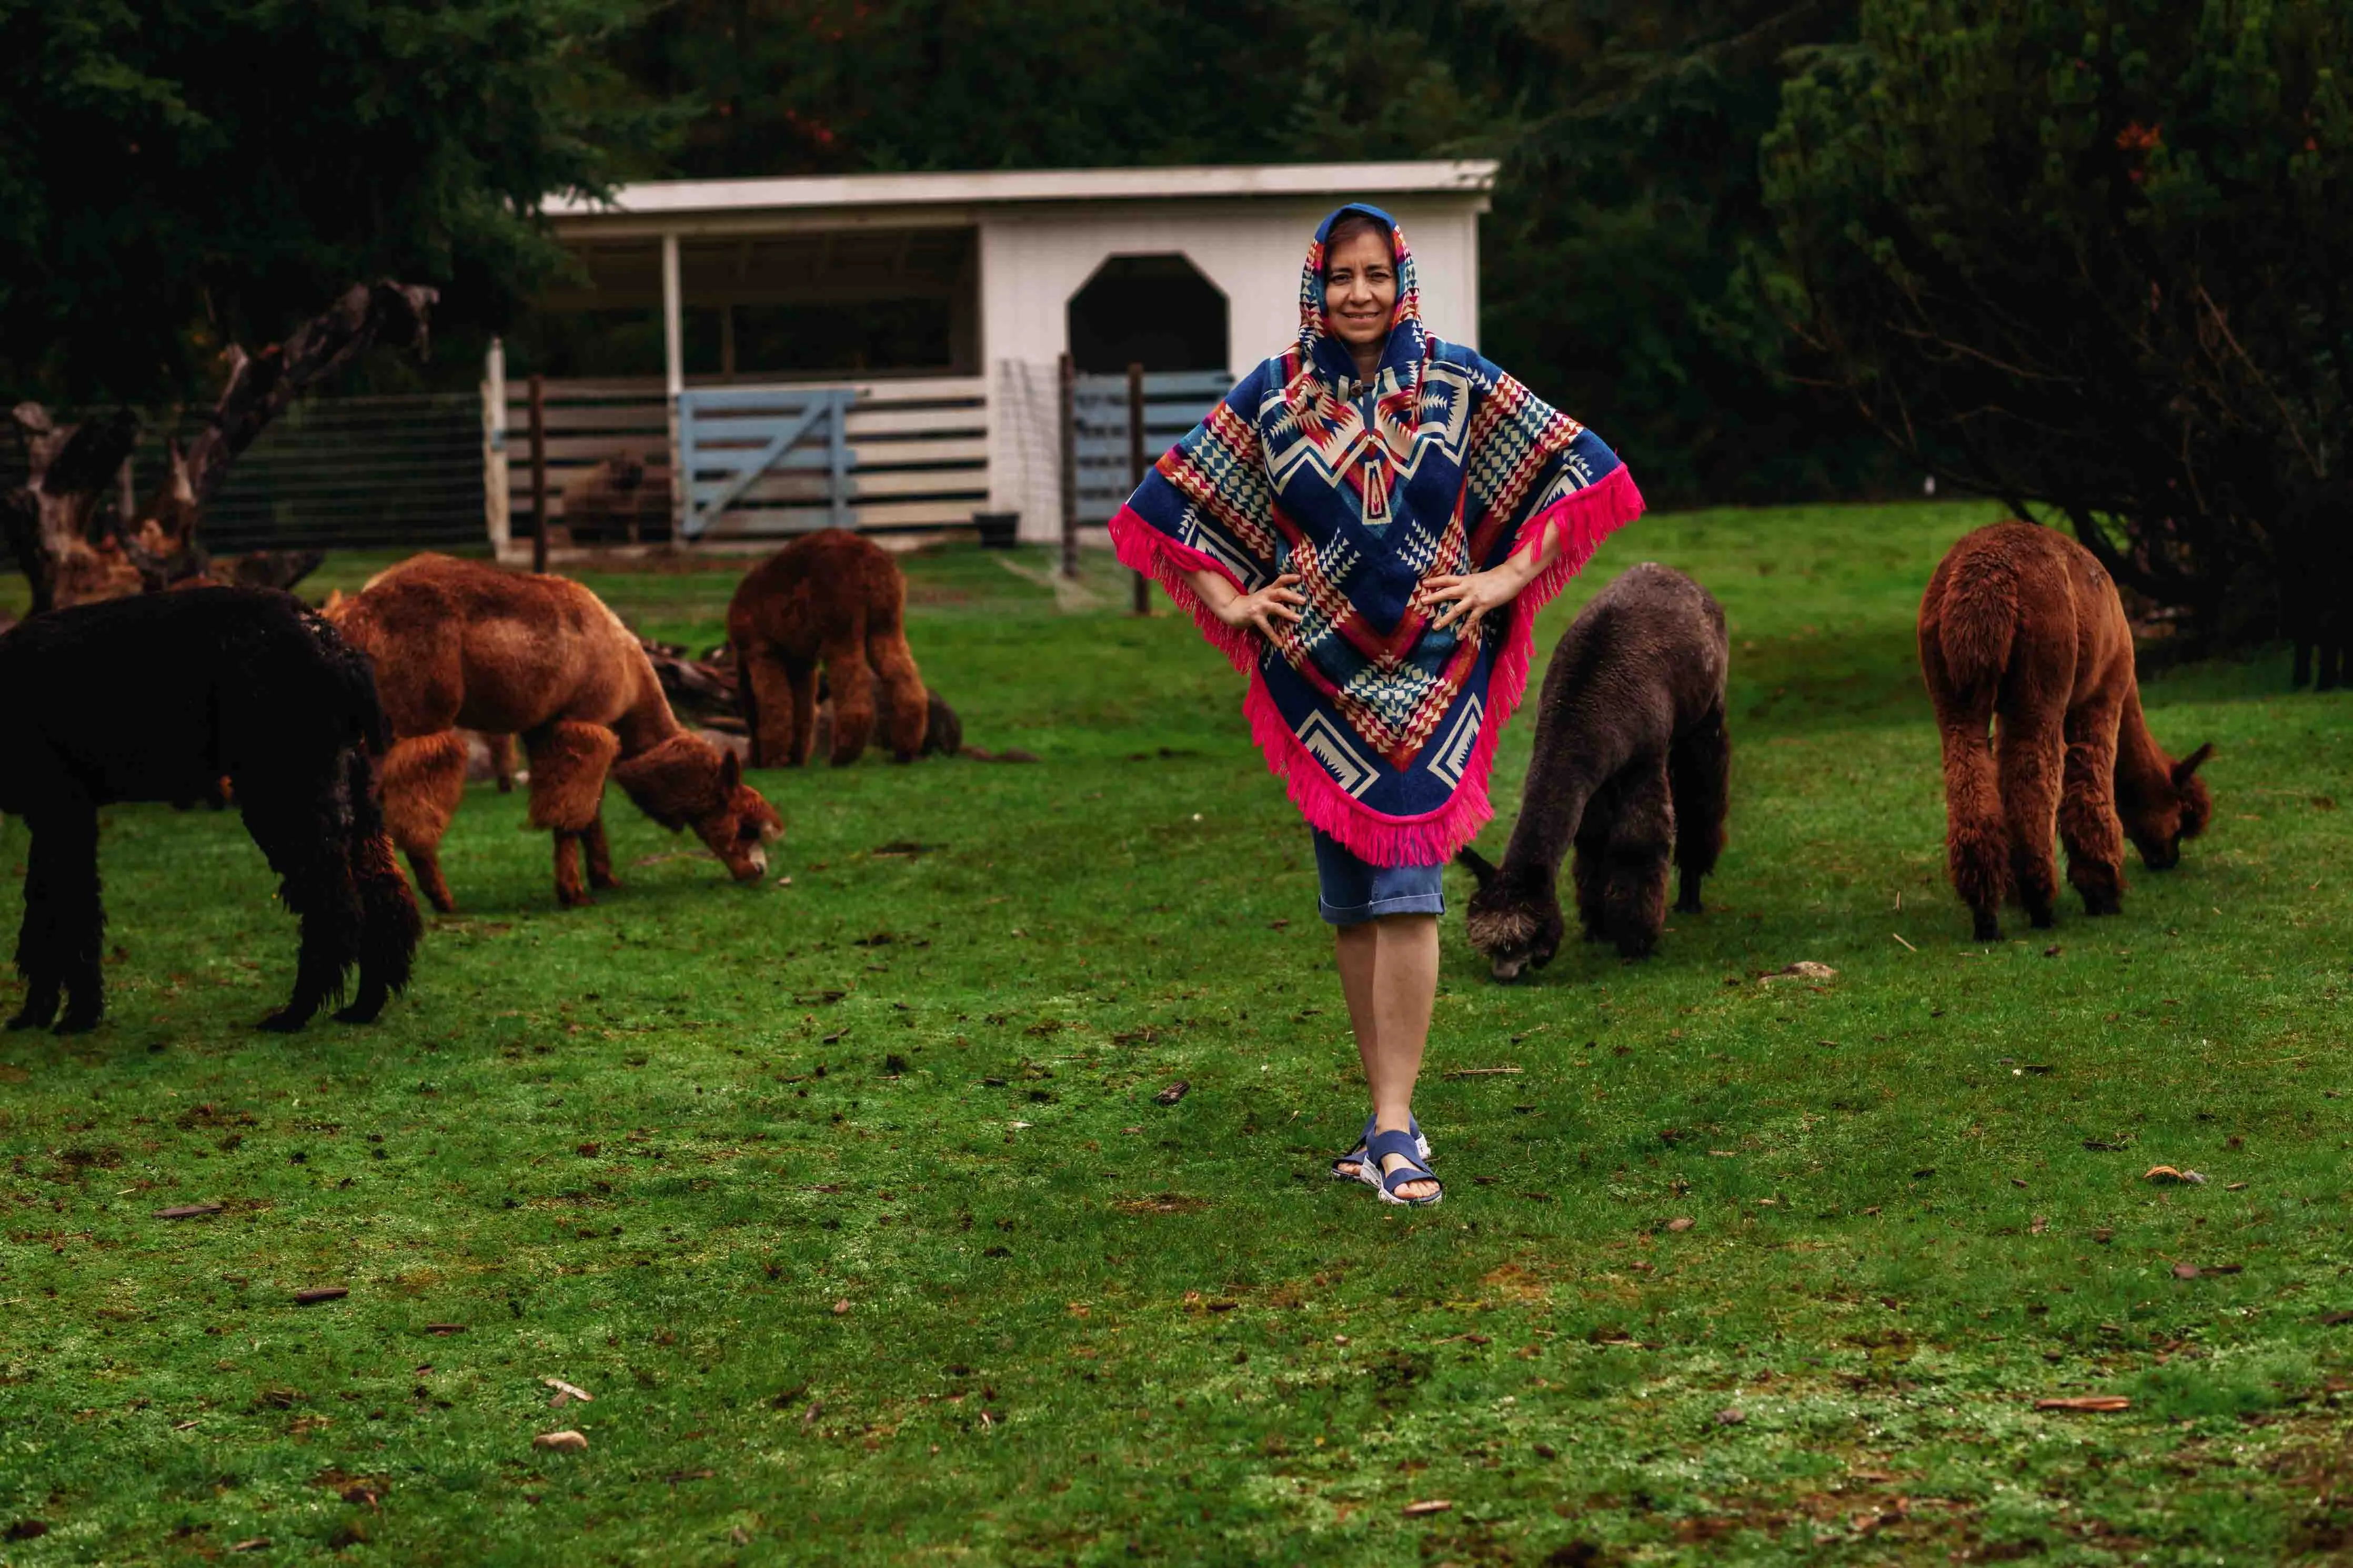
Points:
x=1365 y=489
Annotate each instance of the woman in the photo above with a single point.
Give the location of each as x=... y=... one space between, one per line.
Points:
x=1366 y=527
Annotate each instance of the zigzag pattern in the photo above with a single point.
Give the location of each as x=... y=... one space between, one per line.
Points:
x=1288 y=473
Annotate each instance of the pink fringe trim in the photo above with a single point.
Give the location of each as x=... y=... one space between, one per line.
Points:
x=1584 y=518
x=1143 y=548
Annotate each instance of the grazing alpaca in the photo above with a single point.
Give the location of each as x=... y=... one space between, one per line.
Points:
x=2021 y=624
x=943 y=731
x=460 y=643
x=489 y=757
x=1632 y=765
x=834 y=598
x=159 y=696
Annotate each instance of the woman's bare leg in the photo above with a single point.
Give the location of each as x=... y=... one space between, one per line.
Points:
x=1388 y=973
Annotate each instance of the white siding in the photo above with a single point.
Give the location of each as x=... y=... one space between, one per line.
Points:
x=1032 y=261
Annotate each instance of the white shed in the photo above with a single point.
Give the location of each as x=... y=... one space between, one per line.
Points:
x=886 y=350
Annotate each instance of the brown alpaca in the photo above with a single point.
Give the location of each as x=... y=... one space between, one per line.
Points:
x=836 y=599
x=607 y=504
x=458 y=643
x=496 y=760
x=2022 y=624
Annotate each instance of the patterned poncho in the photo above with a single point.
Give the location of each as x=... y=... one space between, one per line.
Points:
x=1383 y=725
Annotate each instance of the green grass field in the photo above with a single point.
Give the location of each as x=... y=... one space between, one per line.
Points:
x=851 y=1203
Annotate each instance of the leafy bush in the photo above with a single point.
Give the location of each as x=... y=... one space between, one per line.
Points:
x=2088 y=257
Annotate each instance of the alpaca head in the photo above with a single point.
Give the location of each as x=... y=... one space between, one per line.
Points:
x=687 y=781
x=2158 y=816
x=943 y=731
x=1514 y=918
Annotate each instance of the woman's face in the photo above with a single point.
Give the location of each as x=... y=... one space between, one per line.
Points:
x=1360 y=289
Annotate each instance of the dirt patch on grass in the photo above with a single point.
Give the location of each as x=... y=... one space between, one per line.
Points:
x=1162 y=1203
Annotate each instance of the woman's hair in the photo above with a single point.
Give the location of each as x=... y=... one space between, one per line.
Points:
x=1349 y=225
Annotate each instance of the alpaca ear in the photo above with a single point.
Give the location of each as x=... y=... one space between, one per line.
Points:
x=2190 y=764
x=731 y=772
x=1477 y=865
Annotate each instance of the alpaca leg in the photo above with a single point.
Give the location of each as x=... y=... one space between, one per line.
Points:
x=424 y=779
x=1977 y=844
x=302 y=825
x=1641 y=838
x=2088 y=825
x=1699 y=776
x=389 y=926
x=2031 y=752
x=58 y=948
x=568 y=764
x=1589 y=870
x=503 y=766
x=600 y=855
x=853 y=699
x=781 y=697
x=37 y=959
x=801 y=690
x=906 y=705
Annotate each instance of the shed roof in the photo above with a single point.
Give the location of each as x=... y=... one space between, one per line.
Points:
x=1472 y=177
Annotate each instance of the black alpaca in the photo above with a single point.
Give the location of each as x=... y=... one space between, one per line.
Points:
x=1631 y=767
x=158 y=698
x=2316 y=588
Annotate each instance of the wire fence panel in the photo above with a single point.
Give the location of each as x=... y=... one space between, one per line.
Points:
x=330 y=473
x=353 y=473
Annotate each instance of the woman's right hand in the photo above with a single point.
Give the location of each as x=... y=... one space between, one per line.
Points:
x=1271 y=605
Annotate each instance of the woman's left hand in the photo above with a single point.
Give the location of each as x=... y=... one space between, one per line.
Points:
x=1469 y=595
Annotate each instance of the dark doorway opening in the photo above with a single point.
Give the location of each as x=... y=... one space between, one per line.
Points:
x=1156 y=311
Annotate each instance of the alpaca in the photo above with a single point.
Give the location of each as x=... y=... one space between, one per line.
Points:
x=835 y=598
x=1633 y=767
x=2021 y=624
x=2316 y=572
x=158 y=697
x=463 y=643
x=943 y=731
x=488 y=757
x=608 y=503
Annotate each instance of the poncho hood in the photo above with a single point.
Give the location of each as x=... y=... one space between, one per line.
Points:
x=1317 y=345
x=1382 y=724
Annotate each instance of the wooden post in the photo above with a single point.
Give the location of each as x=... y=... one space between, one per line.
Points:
x=1142 y=605
x=1069 y=471
x=497 y=489
x=673 y=296
x=538 y=472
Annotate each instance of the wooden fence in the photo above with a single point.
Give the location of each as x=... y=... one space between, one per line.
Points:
x=917 y=460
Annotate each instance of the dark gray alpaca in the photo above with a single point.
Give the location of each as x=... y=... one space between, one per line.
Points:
x=1632 y=765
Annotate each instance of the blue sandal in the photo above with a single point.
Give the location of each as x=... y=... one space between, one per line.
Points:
x=1378 y=1148
x=1356 y=1156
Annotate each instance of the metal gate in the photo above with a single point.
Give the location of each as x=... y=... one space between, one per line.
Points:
x=1174 y=401
x=730 y=438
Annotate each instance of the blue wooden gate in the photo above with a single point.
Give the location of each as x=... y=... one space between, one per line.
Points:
x=730 y=437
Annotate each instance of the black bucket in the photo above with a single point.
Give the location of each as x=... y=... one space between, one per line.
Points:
x=997 y=528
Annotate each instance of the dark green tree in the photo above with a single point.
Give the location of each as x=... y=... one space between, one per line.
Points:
x=2088 y=257
x=179 y=175
x=1629 y=235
